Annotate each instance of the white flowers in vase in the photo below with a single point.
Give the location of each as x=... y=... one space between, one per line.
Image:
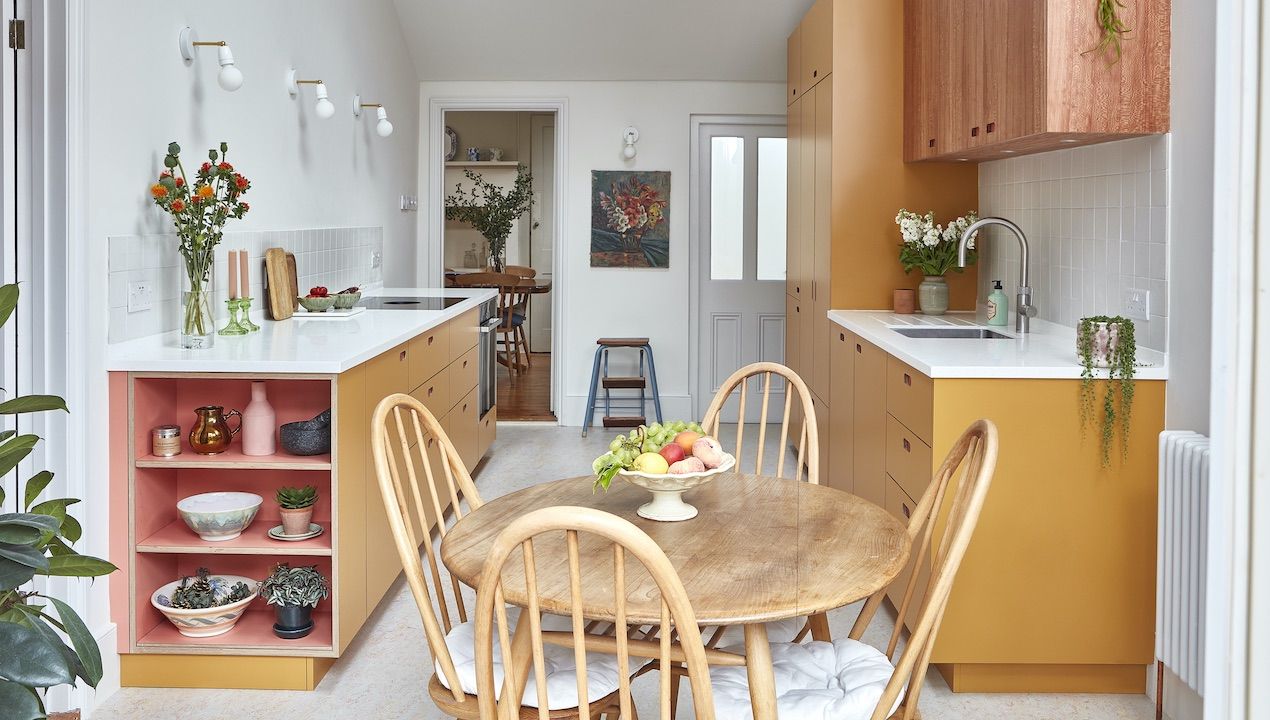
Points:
x=930 y=247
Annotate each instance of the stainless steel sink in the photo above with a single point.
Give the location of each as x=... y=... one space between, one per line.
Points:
x=951 y=332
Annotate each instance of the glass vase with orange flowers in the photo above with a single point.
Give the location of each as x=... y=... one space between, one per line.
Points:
x=200 y=206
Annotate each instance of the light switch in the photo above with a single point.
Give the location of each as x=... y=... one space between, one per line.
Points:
x=140 y=296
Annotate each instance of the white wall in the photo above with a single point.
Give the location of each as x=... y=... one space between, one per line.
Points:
x=306 y=172
x=606 y=301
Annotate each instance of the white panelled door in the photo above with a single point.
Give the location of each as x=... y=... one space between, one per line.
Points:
x=542 y=232
x=741 y=256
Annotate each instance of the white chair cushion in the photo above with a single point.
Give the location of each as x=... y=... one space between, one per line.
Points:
x=562 y=683
x=778 y=631
x=842 y=680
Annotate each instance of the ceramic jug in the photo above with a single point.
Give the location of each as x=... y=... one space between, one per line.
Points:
x=260 y=423
x=211 y=433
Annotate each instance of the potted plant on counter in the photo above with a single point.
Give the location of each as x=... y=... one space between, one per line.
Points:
x=932 y=249
x=1107 y=342
x=295 y=504
x=294 y=592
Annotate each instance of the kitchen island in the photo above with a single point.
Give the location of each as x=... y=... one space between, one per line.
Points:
x=308 y=365
x=1057 y=590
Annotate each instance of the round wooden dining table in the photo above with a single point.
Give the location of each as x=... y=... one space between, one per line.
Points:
x=760 y=549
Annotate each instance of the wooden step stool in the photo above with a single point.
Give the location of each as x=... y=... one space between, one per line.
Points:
x=610 y=383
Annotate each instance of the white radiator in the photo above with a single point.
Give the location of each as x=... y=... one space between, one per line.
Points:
x=1182 y=549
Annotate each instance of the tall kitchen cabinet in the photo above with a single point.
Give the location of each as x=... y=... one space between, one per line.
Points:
x=986 y=79
x=809 y=153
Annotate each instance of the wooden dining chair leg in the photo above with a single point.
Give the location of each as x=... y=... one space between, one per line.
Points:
x=524 y=344
x=819 y=624
x=674 y=694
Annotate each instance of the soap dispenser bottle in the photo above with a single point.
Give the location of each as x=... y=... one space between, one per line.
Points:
x=998 y=305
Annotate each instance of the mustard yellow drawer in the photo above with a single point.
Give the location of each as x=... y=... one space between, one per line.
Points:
x=487 y=432
x=463 y=375
x=908 y=459
x=435 y=393
x=463 y=333
x=429 y=353
x=902 y=506
x=910 y=397
x=461 y=426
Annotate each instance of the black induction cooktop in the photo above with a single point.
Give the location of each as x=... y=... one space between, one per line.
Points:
x=409 y=303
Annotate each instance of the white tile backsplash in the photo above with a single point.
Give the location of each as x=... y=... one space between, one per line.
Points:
x=334 y=257
x=1096 y=220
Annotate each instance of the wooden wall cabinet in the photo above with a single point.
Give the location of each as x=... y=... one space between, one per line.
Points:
x=841 y=441
x=816 y=34
x=793 y=64
x=984 y=79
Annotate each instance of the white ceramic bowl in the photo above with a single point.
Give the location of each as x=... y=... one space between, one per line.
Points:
x=219 y=516
x=207 y=622
x=668 y=490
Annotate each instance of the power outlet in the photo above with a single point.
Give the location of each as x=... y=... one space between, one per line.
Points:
x=140 y=296
x=376 y=260
x=1137 y=304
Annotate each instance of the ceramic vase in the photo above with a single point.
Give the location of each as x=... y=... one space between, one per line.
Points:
x=259 y=423
x=932 y=295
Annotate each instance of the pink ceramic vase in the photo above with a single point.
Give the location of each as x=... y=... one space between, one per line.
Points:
x=259 y=423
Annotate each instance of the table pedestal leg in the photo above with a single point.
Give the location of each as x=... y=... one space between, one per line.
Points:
x=758 y=666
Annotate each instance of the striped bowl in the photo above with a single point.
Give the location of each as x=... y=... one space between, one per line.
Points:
x=206 y=622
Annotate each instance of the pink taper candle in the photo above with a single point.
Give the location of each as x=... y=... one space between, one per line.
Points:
x=233 y=274
x=244 y=280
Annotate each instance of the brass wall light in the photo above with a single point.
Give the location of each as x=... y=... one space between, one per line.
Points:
x=383 y=127
x=324 y=107
x=230 y=77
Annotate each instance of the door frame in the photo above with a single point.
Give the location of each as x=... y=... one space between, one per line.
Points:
x=694 y=230
x=432 y=168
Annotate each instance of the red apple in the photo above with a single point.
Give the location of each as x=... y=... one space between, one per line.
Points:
x=673 y=453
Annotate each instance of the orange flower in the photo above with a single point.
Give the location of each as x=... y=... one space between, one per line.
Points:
x=178 y=205
x=225 y=166
x=158 y=191
x=240 y=182
x=180 y=182
x=204 y=191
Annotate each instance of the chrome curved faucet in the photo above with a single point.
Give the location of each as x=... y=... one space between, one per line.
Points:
x=1024 y=310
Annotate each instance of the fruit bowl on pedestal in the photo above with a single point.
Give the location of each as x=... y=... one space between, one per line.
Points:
x=668 y=489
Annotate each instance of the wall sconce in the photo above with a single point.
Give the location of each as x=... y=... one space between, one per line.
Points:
x=630 y=136
x=383 y=127
x=230 y=77
x=324 y=107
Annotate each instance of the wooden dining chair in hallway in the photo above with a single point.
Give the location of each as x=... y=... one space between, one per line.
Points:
x=521 y=271
x=513 y=299
x=850 y=680
x=548 y=540
x=768 y=379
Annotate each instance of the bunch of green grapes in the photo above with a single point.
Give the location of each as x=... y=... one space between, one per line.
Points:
x=626 y=447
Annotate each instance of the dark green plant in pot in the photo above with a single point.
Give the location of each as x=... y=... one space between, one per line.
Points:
x=37 y=541
x=1104 y=341
x=294 y=591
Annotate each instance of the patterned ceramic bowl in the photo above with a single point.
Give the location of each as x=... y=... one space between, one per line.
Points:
x=317 y=304
x=219 y=516
x=206 y=622
x=668 y=504
x=344 y=301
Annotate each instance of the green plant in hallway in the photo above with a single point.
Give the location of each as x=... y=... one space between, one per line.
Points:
x=294 y=592
x=932 y=248
x=1107 y=342
x=491 y=209
x=37 y=541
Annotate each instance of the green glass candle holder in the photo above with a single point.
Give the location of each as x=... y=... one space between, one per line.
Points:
x=233 y=327
x=244 y=304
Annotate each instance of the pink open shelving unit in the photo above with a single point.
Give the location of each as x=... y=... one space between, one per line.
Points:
x=160 y=548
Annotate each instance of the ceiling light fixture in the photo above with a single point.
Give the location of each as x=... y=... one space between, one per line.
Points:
x=324 y=107
x=384 y=126
x=630 y=136
x=230 y=77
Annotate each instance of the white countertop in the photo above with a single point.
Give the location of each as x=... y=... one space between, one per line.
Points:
x=1048 y=351
x=298 y=345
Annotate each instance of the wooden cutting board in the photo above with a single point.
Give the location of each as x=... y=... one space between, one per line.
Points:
x=295 y=282
x=280 y=275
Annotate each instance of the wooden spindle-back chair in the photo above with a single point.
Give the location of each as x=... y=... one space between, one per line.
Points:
x=760 y=375
x=513 y=302
x=975 y=456
x=677 y=618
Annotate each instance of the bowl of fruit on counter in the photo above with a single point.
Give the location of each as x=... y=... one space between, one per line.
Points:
x=667 y=460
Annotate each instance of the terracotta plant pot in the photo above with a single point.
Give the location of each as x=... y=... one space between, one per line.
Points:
x=296 y=522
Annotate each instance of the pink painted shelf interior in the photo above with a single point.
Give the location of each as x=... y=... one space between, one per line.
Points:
x=176 y=537
x=165 y=549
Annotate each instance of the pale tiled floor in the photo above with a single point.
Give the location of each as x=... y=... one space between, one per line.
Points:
x=385 y=672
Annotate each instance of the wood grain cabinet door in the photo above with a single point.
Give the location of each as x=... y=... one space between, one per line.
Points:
x=816 y=31
x=821 y=278
x=793 y=200
x=869 y=422
x=840 y=436
x=793 y=65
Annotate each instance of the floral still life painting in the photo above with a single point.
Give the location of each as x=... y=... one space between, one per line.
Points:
x=630 y=219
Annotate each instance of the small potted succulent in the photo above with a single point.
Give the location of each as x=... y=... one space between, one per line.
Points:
x=294 y=592
x=1107 y=342
x=295 y=504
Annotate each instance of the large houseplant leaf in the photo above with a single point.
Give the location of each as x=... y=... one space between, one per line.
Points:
x=15 y=450
x=19 y=702
x=31 y=659
x=78 y=566
x=41 y=522
x=32 y=403
x=24 y=554
x=14 y=574
x=35 y=486
x=82 y=640
x=19 y=534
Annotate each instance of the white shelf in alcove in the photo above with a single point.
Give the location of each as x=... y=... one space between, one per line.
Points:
x=482 y=163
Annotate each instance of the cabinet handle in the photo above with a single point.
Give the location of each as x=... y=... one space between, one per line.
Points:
x=797 y=309
x=908 y=380
x=907 y=447
x=991 y=127
x=858 y=348
x=430 y=390
x=431 y=338
x=464 y=407
x=464 y=363
x=974 y=131
x=842 y=337
x=907 y=513
x=814 y=73
x=402 y=356
x=930 y=143
x=798 y=289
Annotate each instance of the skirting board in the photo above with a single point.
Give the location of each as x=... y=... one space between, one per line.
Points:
x=1039 y=678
